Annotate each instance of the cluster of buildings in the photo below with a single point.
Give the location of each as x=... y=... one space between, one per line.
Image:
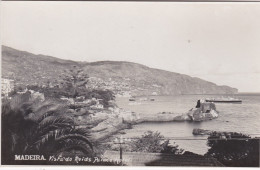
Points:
x=119 y=88
x=122 y=88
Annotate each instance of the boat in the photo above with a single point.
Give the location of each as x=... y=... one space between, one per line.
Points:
x=132 y=99
x=224 y=100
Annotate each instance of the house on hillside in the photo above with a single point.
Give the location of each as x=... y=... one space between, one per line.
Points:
x=7 y=85
x=97 y=106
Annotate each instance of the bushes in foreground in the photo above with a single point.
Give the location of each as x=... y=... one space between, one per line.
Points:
x=152 y=142
x=234 y=149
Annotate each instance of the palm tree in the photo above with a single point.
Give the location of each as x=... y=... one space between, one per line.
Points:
x=35 y=127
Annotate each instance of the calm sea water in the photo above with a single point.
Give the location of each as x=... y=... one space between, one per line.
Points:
x=232 y=117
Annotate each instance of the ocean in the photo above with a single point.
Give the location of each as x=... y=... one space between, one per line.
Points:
x=242 y=118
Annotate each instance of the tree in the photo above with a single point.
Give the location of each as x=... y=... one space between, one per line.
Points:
x=152 y=142
x=105 y=95
x=149 y=142
x=74 y=84
x=74 y=81
x=40 y=128
x=234 y=149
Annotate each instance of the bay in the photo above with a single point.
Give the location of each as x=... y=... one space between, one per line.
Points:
x=242 y=118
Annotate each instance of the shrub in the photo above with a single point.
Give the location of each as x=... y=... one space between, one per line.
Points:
x=234 y=149
x=151 y=142
x=105 y=95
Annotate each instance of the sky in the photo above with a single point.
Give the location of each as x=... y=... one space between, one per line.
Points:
x=217 y=42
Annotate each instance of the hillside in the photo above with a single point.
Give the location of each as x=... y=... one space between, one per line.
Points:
x=121 y=77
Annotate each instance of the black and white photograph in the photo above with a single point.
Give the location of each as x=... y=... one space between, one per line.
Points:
x=130 y=83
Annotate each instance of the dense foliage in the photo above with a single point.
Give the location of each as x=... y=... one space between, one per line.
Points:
x=234 y=149
x=39 y=119
x=149 y=142
x=39 y=127
x=74 y=81
x=104 y=95
x=152 y=142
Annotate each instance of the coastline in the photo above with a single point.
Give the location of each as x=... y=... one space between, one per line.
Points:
x=112 y=121
x=125 y=119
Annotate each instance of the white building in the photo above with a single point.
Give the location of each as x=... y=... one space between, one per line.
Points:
x=7 y=85
x=154 y=93
x=97 y=106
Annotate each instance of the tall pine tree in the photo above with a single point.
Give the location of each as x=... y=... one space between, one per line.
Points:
x=74 y=82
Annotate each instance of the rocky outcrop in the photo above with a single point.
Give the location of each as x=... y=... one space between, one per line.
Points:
x=109 y=127
x=203 y=111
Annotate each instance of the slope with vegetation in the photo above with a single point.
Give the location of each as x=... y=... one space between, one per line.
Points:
x=27 y=68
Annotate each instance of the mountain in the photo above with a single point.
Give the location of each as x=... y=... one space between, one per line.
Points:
x=121 y=77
